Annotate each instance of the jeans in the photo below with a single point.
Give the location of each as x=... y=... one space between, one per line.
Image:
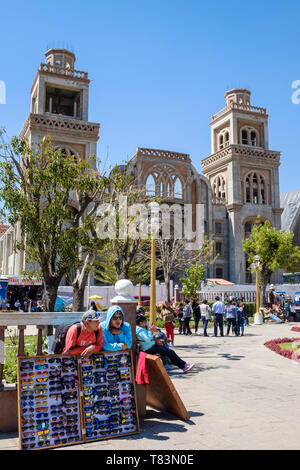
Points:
x=231 y=322
x=239 y=327
x=163 y=351
x=218 y=322
x=196 y=320
x=205 y=323
x=187 y=326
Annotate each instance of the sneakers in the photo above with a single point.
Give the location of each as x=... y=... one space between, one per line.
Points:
x=188 y=367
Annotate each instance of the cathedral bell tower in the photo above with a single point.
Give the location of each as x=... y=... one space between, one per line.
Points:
x=59 y=106
x=243 y=175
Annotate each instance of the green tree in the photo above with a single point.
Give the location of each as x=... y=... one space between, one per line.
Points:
x=51 y=197
x=275 y=249
x=194 y=276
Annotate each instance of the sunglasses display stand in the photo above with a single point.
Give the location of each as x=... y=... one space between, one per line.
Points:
x=64 y=400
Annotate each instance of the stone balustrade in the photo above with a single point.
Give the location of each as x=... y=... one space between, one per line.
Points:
x=78 y=74
x=240 y=107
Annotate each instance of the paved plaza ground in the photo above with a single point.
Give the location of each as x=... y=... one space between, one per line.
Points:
x=240 y=395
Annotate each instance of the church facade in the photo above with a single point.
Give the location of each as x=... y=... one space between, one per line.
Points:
x=239 y=178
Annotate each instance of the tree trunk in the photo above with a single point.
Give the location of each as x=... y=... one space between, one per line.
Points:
x=51 y=288
x=167 y=288
x=78 y=297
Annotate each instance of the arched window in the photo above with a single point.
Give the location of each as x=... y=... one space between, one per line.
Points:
x=254 y=188
x=223 y=139
x=178 y=193
x=219 y=190
x=164 y=182
x=150 y=185
x=244 y=137
x=249 y=136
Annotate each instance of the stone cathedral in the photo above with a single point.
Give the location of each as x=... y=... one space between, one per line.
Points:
x=239 y=178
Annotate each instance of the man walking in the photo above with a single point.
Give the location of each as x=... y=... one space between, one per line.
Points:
x=187 y=314
x=218 y=309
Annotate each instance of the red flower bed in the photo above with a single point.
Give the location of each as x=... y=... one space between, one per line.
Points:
x=274 y=346
x=295 y=328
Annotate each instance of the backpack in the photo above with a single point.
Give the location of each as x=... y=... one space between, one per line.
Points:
x=60 y=337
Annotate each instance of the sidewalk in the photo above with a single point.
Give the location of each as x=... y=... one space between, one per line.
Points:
x=240 y=395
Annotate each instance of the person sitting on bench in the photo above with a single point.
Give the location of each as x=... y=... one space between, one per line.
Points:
x=151 y=345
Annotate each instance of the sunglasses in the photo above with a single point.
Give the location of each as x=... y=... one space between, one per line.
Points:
x=42 y=415
x=40 y=387
x=28 y=446
x=42 y=426
x=117 y=317
x=27 y=421
x=31 y=374
x=28 y=433
x=41 y=366
x=29 y=439
x=29 y=403
x=41 y=403
x=42 y=379
x=25 y=387
x=54 y=359
x=44 y=443
x=40 y=361
x=42 y=373
x=41 y=408
x=54 y=373
x=93 y=316
x=55 y=396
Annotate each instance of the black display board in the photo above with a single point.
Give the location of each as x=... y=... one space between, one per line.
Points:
x=64 y=400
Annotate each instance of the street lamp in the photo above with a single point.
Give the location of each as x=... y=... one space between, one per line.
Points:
x=258 y=320
x=154 y=207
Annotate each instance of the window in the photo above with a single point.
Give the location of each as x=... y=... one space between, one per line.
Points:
x=219 y=248
x=249 y=136
x=219 y=272
x=254 y=189
x=62 y=101
x=244 y=137
x=223 y=139
x=218 y=227
x=150 y=186
x=219 y=189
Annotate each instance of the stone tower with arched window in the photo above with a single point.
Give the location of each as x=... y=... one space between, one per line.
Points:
x=60 y=105
x=243 y=175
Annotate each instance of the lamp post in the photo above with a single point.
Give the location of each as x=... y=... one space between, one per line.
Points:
x=258 y=320
x=140 y=295
x=154 y=225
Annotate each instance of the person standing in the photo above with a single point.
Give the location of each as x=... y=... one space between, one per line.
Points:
x=240 y=321
x=180 y=319
x=196 y=314
x=167 y=315
x=187 y=314
x=205 y=311
x=231 y=317
x=218 y=309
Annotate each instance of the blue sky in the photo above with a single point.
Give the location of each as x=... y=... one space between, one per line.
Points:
x=159 y=69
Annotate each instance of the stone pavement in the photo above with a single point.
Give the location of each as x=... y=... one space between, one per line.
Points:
x=240 y=395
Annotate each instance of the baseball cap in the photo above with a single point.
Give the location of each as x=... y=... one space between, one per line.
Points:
x=91 y=315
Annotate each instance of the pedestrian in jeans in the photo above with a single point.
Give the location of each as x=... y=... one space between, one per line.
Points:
x=231 y=317
x=151 y=345
x=218 y=309
x=240 y=321
x=181 y=319
x=205 y=311
x=167 y=315
x=196 y=314
x=187 y=315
